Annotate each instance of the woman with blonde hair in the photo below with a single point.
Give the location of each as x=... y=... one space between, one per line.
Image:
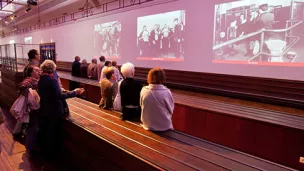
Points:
x=52 y=109
x=156 y=103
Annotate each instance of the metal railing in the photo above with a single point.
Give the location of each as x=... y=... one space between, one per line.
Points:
x=13 y=57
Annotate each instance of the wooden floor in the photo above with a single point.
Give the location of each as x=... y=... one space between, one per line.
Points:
x=13 y=155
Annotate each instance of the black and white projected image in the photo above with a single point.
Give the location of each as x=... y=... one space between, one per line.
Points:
x=161 y=35
x=259 y=31
x=109 y=38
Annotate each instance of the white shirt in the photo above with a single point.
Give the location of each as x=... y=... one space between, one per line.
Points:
x=102 y=75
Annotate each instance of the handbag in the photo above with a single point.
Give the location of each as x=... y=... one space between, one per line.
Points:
x=117 y=101
x=18 y=109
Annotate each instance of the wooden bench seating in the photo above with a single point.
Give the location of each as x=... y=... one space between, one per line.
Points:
x=260 y=131
x=169 y=150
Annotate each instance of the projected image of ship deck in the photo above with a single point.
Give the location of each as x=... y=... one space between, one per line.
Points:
x=259 y=32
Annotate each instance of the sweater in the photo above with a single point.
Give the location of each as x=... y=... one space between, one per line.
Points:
x=157 y=106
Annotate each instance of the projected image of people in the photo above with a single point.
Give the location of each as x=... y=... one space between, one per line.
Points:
x=108 y=38
x=161 y=36
x=259 y=31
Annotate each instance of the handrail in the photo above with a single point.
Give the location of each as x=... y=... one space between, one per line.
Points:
x=215 y=47
x=236 y=39
x=281 y=54
x=283 y=30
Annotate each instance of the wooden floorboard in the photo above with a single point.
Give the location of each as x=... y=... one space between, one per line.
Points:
x=13 y=155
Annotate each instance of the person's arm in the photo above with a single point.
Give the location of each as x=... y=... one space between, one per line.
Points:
x=59 y=95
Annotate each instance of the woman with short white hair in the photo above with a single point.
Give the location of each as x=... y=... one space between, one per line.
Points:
x=130 y=93
x=52 y=109
x=126 y=69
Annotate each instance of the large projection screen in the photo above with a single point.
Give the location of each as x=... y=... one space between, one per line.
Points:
x=259 y=38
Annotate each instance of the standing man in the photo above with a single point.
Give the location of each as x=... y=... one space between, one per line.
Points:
x=75 y=73
x=76 y=67
x=33 y=58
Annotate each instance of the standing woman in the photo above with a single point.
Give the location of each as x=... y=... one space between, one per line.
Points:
x=156 y=103
x=52 y=110
x=33 y=73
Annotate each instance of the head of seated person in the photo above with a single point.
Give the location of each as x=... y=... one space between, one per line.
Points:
x=156 y=76
x=114 y=63
x=102 y=59
x=127 y=70
x=94 y=61
x=108 y=64
x=84 y=62
x=109 y=73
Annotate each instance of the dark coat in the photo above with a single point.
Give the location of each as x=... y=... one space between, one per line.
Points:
x=76 y=69
x=52 y=100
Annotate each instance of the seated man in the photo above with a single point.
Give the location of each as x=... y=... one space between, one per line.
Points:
x=92 y=70
x=108 y=88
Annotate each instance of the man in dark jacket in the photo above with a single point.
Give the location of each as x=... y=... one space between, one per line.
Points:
x=76 y=67
x=75 y=72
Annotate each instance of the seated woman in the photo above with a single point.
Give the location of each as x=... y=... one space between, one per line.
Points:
x=105 y=67
x=108 y=88
x=84 y=68
x=156 y=103
x=52 y=110
x=130 y=93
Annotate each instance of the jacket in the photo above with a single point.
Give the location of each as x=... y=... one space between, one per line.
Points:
x=109 y=90
x=157 y=106
x=52 y=100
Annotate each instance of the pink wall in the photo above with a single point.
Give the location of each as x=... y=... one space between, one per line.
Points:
x=78 y=39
